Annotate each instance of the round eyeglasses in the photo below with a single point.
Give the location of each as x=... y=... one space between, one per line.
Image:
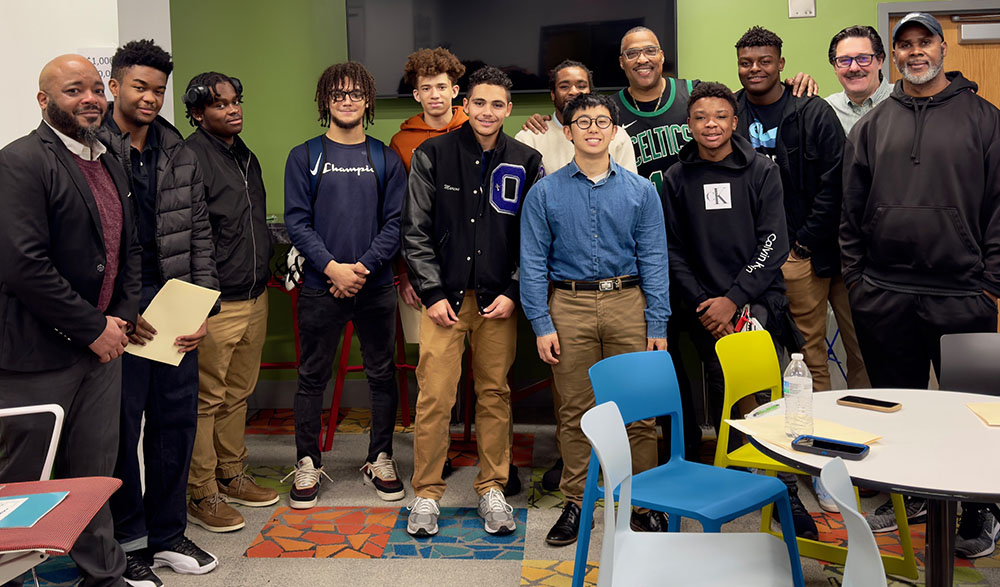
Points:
x=584 y=122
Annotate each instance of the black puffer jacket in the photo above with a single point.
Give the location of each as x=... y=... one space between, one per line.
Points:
x=183 y=234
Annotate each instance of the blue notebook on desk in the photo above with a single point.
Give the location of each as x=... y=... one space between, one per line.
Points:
x=23 y=511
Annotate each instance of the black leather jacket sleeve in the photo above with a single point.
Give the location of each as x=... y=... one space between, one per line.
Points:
x=419 y=247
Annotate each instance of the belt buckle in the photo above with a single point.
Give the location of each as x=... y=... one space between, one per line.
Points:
x=606 y=285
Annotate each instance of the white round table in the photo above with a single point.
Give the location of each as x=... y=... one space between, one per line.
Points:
x=934 y=447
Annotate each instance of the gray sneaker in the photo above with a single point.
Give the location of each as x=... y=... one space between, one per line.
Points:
x=497 y=515
x=884 y=517
x=423 y=519
x=977 y=534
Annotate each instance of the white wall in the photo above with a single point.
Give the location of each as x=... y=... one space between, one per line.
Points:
x=32 y=32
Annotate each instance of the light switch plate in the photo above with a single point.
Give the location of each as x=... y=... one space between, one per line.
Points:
x=801 y=8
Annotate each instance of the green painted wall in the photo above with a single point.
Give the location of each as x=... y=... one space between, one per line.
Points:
x=278 y=50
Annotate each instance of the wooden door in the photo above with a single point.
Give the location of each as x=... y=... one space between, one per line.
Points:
x=977 y=62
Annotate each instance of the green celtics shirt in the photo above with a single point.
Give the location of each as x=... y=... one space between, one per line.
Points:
x=658 y=129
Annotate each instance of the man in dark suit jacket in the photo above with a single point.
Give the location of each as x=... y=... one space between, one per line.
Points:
x=69 y=285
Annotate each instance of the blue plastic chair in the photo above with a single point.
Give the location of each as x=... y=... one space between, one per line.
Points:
x=644 y=385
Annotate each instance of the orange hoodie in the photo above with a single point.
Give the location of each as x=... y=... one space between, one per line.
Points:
x=415 y=131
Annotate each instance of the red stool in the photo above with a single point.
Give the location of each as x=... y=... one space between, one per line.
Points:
x=275 y=283
x=343 y=369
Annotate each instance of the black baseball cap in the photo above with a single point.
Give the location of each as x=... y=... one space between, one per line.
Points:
x=923 y=19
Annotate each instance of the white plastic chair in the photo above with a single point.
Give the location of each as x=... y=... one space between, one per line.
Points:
x=864 y=564
x=55 y=410
x=651 y=558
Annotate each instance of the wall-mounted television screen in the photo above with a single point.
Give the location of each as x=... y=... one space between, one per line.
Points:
x=525 y=38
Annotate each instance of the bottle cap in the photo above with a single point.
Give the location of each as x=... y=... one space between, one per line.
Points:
x=796 y=356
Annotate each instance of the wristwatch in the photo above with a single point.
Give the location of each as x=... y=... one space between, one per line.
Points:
x=801 y=252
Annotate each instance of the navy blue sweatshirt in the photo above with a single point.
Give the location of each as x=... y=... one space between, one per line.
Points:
x=341 y=222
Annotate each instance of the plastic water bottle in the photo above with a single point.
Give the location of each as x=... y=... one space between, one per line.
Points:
x=797 y=389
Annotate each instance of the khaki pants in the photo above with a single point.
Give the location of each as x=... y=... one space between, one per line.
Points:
x=591 y=326
x=493 y=345
x=808 y=295
x=228 y=366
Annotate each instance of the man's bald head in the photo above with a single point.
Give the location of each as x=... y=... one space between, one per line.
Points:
x=71 y=96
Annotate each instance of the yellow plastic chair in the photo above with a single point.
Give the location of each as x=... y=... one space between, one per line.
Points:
x=750 y=365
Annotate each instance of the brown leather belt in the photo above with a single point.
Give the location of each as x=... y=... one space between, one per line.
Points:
x=599 y=285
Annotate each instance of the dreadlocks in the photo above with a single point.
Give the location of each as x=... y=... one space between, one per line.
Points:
x=334 y=78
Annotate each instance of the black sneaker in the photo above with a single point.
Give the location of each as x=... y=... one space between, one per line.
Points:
x=447 y=469
x=977 y=533
x=138 y=572
x=883 y=519
x=552 y=477
x=381 y=474
x=805 y=526
x=513 y=486
x=186 y=558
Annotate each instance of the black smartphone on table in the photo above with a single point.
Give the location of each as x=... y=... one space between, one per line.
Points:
x=829 y=447
x=868 y=403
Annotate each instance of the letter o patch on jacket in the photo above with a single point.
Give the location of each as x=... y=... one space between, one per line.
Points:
x=505 y=188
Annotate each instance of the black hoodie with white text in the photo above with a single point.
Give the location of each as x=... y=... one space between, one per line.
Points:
x=726 y=231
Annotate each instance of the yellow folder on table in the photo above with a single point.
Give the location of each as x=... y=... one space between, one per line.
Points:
x=989 y=412
x=772 y=429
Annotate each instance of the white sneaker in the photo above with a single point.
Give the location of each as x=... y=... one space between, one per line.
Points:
x=823 y=497
x=497 y=515
x=423 y=519
x=305 y=489
x=186 y=558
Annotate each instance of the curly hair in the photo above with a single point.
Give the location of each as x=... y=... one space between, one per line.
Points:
x=711 y=90
x=584 y=101
x=143 y=52
x=759 y=37
x=565 y=64
x=491 y=76
x=333 y=78
x=432 y=62
x=209 y=79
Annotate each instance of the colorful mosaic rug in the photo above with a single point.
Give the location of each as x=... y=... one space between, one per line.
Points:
x=342 y=532
x=460 y=535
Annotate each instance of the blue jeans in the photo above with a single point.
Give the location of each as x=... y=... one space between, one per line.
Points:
x=322 y=318
x=168 y=396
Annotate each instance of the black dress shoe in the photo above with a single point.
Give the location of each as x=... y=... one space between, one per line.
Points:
x=447 y=469
x=565 y=530
x=552 y=477
x=513 y=486
x=649 y=521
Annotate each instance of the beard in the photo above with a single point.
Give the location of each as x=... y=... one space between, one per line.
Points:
x=345 y=125
x=66 y=123
x=932 y=72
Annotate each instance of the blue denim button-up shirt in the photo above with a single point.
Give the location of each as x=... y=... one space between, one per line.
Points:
x=575 y=229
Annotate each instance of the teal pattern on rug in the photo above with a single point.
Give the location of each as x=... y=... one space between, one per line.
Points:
x=460 y=536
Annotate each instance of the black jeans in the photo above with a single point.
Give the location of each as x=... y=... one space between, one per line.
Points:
x=322 y=318
x=900 y=333
x=168 y=396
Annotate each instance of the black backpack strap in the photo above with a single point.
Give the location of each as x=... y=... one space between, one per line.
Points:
x=376 y=158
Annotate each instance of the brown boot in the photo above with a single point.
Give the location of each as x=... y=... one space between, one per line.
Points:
x=214 y=514
x=243 y=490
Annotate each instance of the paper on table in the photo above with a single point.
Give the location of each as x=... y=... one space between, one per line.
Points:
x=178 y=309
x=23 y=511
x=988 y=411
x=772 y=429
x=410 y=317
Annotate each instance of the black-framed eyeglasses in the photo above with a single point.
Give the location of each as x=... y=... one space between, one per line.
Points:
x=649 y=51
x=340 y=95
x=584 y=122
x=863 y=60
